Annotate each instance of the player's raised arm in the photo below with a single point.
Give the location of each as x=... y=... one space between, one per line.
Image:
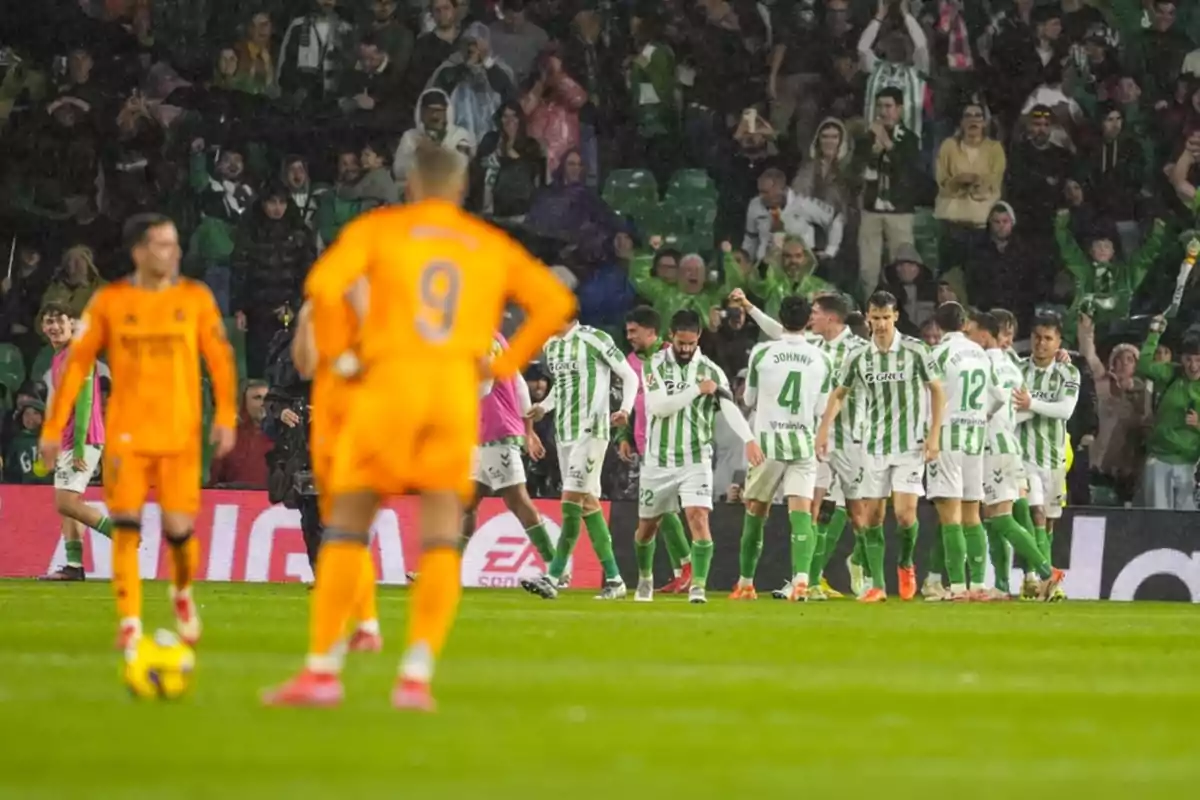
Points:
x=548 y=307
x=218 y=357
x=91 y=336
x=658 y=402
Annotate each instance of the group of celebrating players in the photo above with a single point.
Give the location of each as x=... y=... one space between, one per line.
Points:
x=422 y=288
x=835 y=419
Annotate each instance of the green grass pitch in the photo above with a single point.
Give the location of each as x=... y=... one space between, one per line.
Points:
x=580 y=699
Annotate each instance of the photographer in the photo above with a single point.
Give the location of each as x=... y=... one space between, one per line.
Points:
x=286 y=423
x=729 y=338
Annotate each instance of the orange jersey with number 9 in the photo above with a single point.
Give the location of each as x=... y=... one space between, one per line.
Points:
x=439 y=280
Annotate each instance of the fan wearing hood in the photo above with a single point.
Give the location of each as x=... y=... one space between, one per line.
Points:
x=688 y=292
x=476 y=82
x=789 y=271
x=271 y=257
x=1104 y=287
x=434 y=121
x=75 y=281
x=823 y=175
x=914 y=287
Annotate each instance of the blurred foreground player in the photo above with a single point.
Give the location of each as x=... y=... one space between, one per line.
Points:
x=328 y=401
x=439 y=280
x=154 y=326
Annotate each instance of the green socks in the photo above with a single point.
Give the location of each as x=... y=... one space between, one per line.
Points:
x=1042 y=536
x=937 y=556
x=976 y=543
x=956 y=555
x=104 y=527
x=541 y=541
x=572 y=519
x=999 y=552
x=645 y=557
x=752 y=542
x=74 y=554
x=820 y=537
x=874 y=546
x=1023 y=543
x=598 y=532
x=803 y=541
x=1024 y=518
x=702 y=555
x=827 y=542
x=678 y=548
x=908 y=544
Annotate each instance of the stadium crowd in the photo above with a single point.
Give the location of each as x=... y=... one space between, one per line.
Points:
x=1023 y=155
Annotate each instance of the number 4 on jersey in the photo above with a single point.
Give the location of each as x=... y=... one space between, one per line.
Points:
x=790 y=395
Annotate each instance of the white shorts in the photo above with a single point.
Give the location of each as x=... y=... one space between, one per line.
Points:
x=73 y=480
x=797 y=477
x=830 y=484
x=1003 y=478
x=955 y=475
x=581 y=462
x=1046 y=489
x=662 y=490
x=849 y=470
x=884 y=475
x=498 y=466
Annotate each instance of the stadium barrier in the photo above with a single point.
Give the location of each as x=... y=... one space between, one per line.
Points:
x=1112 y=554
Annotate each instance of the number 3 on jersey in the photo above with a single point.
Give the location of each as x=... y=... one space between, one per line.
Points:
x=438 y=290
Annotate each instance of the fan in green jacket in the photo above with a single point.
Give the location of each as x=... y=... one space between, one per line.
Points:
x=1173 y=447
x=1103 y=287
x=689 y=291
x=788 y=271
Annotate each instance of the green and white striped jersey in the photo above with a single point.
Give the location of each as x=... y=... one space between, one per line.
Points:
x=891 y=385
x=581 y=363
x=966 y=374
x=1002 y=421
x=684 y=436
x=1043 y=428
x=848 y=427
x=788 y=383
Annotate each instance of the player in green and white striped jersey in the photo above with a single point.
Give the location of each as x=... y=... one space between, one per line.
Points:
x=1044 y=406
x=1003 y=473
x=955 y=480
x=684 y=390
x=892 y=376
x=835 y=477
x=787 y=385
x=581 y=362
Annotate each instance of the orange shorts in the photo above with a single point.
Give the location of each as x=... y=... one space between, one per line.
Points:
x=409 y=431
x=129 y=477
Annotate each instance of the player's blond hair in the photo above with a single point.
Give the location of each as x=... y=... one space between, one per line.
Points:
x=437 y=171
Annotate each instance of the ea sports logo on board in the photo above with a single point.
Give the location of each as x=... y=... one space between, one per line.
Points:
x=500 y=554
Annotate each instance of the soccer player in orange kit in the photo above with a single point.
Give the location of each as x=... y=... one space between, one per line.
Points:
x=439 y=280
x=327 y=399
x=155 y=326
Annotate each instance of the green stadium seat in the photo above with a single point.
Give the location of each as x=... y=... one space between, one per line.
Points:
x=41 y=363
x=689 y=183
x=630 y=183
x=698 y=213
x=660 y=220
x=12 y=367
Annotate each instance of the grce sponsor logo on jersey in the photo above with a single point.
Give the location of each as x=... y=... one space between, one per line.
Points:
x=885 y=377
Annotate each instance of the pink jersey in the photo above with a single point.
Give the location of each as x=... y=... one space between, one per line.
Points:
x=87 y=403
x=500 y=415
x=639 y=405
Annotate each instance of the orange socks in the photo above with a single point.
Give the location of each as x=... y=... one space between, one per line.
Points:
x=126 y=580
x=338 y=581
x=435 y=599
x=185 y=558
x=365 y=605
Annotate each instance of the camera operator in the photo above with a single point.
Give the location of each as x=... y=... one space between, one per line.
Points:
x=729 y=338
x=290 y=478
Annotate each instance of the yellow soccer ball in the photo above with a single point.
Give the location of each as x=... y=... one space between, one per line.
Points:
x=159 y=668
